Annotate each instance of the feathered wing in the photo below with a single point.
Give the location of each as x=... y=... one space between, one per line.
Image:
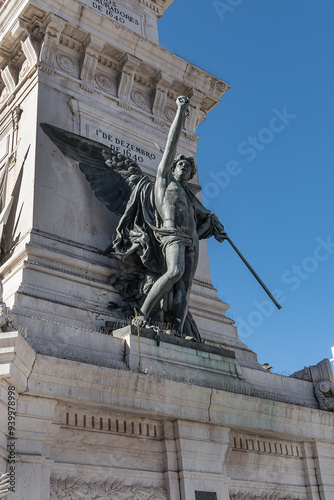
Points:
x=112 y=176
x=4 y=485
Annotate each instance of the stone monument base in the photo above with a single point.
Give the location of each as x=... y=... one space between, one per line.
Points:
x=179 y=421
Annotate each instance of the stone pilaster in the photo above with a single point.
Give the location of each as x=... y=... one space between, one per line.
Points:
x=323 y=453
x=202 y=452
x=35 y=434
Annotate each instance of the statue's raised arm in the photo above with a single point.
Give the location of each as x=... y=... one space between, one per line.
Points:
x=168 y=157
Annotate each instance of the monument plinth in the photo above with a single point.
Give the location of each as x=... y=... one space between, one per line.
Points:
x=91 y=412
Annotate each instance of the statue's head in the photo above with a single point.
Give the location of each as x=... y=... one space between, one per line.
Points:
x=184 y=168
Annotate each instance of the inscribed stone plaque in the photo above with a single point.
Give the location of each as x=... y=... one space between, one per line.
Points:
x=205 y=495
x=116 y=12
x=144 y=156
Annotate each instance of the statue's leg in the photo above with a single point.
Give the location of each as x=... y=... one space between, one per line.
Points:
x=175 y=263
x=182 y=289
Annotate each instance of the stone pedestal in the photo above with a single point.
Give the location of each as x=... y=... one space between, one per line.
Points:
x=88 y=430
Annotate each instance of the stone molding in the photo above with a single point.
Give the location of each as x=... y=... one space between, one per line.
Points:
x=73 y=487
x=16 y=359
x=256 y=444
x=111 y=423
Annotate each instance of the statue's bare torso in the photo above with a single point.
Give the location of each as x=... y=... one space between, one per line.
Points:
x=174 y=206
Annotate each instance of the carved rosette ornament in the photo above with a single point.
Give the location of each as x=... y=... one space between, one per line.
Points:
x=169 y=113
x=324 y=392
x=140 y=100
x=104 y=83
x=65 y=63
x=75 y=487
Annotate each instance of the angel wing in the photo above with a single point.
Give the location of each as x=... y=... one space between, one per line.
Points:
x=112 y=175
x=4 y=485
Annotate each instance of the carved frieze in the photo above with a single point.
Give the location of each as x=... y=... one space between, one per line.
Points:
x=73 y=487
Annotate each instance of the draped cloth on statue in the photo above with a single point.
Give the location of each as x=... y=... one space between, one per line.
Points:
x=139 y=228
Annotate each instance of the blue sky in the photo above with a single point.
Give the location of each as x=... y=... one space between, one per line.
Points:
x=266 y=164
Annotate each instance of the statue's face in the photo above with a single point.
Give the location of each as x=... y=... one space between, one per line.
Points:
x=182 y=171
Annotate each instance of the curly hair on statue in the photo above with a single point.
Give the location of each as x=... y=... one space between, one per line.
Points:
x=191 y=161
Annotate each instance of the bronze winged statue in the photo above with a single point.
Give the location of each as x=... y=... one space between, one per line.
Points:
x=160 y=223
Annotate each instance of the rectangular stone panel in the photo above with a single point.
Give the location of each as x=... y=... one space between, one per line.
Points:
x=116 y=12
x=144 y=156
x=205 y=495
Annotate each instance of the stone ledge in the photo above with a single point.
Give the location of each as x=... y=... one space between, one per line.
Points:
x=173 y=340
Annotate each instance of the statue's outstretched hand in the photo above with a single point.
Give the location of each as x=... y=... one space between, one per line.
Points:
x=183 y=103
